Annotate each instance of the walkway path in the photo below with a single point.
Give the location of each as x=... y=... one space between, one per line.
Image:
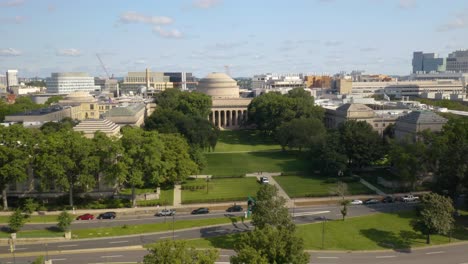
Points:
x=269 y=175
x=372 y=187
x=177 y=195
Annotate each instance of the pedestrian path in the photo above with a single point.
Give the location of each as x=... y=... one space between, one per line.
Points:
x=372 y=187
x=178 y=195
x=269 y=175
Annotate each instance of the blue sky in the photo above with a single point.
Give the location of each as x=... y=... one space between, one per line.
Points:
x=251 y=36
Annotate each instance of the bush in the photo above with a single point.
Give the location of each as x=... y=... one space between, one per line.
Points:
x=153 y=203
x=16 y=221
x=214 y=200
x=64 y=221
x=30 y=205
x=331 y=180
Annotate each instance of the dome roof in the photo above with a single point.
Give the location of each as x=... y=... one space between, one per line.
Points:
x=219 y=85
x=79 y=96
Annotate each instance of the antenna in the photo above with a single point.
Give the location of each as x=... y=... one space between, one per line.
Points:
x=227 y=70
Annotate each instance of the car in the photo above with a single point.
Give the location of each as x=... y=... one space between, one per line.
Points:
x=410 y=198
x=356 y=202
x=264 y=180
x=201 y=210
x=388 y=199
x=235 y=208
x=371 y=201
x=166 y=212
x=107 y=215
x=85 y=217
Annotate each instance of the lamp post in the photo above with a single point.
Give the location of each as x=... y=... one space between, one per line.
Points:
x=323 y=233
x=173 y=218
x=207 y=181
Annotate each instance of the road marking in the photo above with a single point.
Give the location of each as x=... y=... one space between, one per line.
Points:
x=113 y=256
x=310 y=213
x=435 y=252
x=58 y=259
x=392 y=256
x=327 y=257
x=20 y=248
x=168 y=237
x=116 y=242
x=67 y=246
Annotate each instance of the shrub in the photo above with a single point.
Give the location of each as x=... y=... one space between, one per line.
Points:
x=331 y=180
x=16 y=221
x=30 y=205
x=64 y=221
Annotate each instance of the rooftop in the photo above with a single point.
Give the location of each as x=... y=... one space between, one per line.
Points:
x=422 y=117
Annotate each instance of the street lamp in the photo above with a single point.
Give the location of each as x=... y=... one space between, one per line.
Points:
x=323 y=233
x=173 y=218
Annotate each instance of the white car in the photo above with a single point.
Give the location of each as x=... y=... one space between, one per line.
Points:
x=264 y=180
x=356 y=202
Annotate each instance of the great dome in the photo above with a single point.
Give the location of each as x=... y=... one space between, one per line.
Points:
x=219 y=85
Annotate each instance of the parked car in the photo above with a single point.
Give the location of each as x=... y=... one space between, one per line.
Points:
x=235 y=208
x=264 y=180
x=201 y=210
x=355 y=202
x=371 y=201
x=85 y=217
x=388 y=199
x=107 y=215
x=410 y=198
x=166 y=212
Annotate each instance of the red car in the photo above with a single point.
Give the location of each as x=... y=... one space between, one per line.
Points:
x=85 y=217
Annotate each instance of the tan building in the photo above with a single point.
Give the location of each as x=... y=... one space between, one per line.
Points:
x=136 y=82
x=132 y=115
x=317 y=81
x=344 y=86
x=406 y=127
x=85 y=106
x=91 y=126
x=229 y=111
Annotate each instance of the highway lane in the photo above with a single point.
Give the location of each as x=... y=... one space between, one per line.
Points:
x=309 y=215
x=453 y=254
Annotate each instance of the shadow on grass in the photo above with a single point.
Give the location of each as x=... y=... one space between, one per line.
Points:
x=246 y=137
x=53 y=229
x=386 y=239
x=461 y=229
x=288 y=161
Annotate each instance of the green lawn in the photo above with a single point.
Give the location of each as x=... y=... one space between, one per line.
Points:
x=220 y=189
x=237 y=164
x=148 y=228
x=33 y=219
x=33 y=234
x=166 y=197
x=374 y=232
x=312 y=186
x=244 y=140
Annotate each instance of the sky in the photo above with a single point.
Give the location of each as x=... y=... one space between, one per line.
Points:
x=251 y=37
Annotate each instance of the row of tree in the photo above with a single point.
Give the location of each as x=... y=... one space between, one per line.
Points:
x=62 y=159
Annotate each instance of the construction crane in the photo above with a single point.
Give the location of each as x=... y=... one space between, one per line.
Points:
x=103 y=66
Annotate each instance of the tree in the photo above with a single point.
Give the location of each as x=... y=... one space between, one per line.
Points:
x=344 y=210
x=15 y=143
x=177 y=252
x=16 y=221
x=65 y=124
x=177 y=164
x=341 y=189
x=142 y=157
x=66 y=161
x=270 y=208
x=270 y=245
x=54 y=99
x=362 y=145
x=332 y=160
x=64 y=220
x=301 y=133
x=191 y=104
x=435 y=216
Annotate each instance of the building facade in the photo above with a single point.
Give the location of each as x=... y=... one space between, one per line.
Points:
x=457 y=61
x=107 y=85
x=11 y=79
x=68 y=82
x=140 y=82
x=182 y=80
x=428 y=62
x=407 y=127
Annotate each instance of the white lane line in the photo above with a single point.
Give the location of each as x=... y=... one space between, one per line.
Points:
x=327 y=257
x=58 y=259
x=116 y=242
x=310 y=213
x=392 y=256
x=113 y=256
x=167 y=237
x=67 y=246
x=435 y=252
x=20 y=248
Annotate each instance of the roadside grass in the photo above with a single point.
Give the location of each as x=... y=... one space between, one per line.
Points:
x=219 y=189
x=166 y=197
x=244 y=140
x=150 y=228
x=36 y=219
x=313 y=186
x=32 y=234
x=238 y=164
x=374 y=232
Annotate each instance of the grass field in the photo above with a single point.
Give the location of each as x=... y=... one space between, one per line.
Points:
x=227 y=189
x=374 y=232
x=237 y=164
x=33 y=234
x=309 y=186
x=244 y=140
x=166 y=197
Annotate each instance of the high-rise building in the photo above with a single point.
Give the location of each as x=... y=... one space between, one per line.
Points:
x=457 y=61
x=136 y=81
x=108 y=85
x=182 y=80
x=11 y=78
x=3 y=81
x=68 y=82
x=428 y=62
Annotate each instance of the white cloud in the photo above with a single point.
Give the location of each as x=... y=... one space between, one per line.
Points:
x=10 y=52
x=69 y=52
x=134 y=17
x=11 y=3
x=173 y=33
x=206 y=3
x=405 y=4
x=458 y=22
x=12 y=20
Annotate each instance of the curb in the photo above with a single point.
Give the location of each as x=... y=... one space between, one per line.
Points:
x=63 y=252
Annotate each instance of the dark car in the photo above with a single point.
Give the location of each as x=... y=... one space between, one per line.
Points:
x=388 y=199
x=371 y=201
x=107 y=215
x=201 y=211
x=166 y=212
x=235 y=208
x=85 y=217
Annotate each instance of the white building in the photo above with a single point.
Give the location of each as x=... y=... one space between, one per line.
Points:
x=68 y=82
x=276 y=82
x=11 y=78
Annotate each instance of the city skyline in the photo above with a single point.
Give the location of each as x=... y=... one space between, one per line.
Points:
x=201 y=36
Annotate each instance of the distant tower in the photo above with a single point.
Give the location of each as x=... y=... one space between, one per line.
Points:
x=184 y=81
x=227 y=70
x=147 y=81
x=11 y=79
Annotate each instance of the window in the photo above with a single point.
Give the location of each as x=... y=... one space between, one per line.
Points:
x=91 y=106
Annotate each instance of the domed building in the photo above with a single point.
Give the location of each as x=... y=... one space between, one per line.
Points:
x=228 y=110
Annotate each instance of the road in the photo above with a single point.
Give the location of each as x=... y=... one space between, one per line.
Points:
x=455 y=254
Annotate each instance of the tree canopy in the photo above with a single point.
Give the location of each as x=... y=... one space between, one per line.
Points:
x=177 y=252
x=270 y=208
x=301 y=133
